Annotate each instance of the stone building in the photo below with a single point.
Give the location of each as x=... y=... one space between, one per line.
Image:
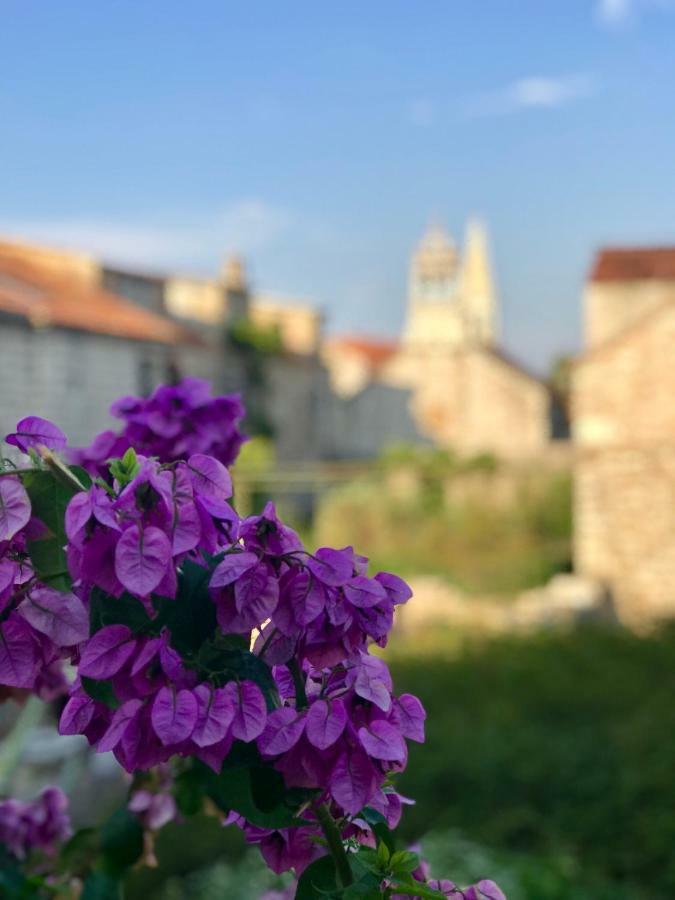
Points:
x=447 y=382
x=624 y=432
x=69 y=347
x=285 y=391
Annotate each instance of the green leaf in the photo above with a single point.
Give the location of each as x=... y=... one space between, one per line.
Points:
x=13 y=884
x=410 y=888
x=229 y=659
x=101 y=886
x=124 y=470
x=191 y=616
x=121 y=840
x=404 y=862
x=101 y=691
x=382 y=856
x=318 y=881
x=256 y=792
x=124 y=610
x=372 y=816
x=49 y=498
x=189 y=793
x=364 y=890
x=79 y=853
x=49 y=562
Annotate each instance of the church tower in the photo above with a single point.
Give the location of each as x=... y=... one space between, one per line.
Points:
x=477 y=288
x=451 y=301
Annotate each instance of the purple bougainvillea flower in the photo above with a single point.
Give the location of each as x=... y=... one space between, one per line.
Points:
x=61 y=616
x=232 y=568
x=78 y=512
x=209 y=476
x=118 y=725
x=331 y=567
x=409 y=715
x=256 y=595
x=107 y=651
x=382 y=741
x=484 y=890
x=396 y=587
x=364 y=592
x=267 y=532
x=38 y=825
x=77 y=714
x=19 y=657
x=250 y=710
x=352 y=781
x=174 y=715
x=187 y=530
x=372 y=681
x=215 y=712
x=147 y=653
x=36 y=432
x=142 y=557
x=14 y=508
x=326 y=721
x=283 y=730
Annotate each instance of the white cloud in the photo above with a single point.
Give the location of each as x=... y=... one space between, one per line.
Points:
x=246 y=227
x=533 y=92
x=422 y=112
x=614 y=12
x=618 y=13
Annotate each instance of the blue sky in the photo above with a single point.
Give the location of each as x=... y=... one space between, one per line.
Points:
x=320 y=138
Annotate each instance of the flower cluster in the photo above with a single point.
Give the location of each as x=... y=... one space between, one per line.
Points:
x=39 y=625
x=39 y=825
x=173 y=423
x=199 y=635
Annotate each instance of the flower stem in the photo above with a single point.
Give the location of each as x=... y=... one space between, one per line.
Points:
x=298 y=683
x=334 y=840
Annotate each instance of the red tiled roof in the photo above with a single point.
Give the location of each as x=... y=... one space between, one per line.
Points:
x=375 y=351
x=65 y=296
x=634 y=264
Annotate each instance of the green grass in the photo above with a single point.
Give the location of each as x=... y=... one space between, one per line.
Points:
x=556 y=747
x=479 y=545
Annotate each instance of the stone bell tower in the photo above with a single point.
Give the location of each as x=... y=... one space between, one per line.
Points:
x=451 y=300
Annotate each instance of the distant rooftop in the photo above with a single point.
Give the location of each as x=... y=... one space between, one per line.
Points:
x=51 y=288
x=374 y=350
x=634 y=264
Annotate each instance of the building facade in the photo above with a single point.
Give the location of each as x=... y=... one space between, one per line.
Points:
x=624 y=433
x=447 y=381
x=69 y=347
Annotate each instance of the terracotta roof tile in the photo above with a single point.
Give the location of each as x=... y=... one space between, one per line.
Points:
x=634 y=264
x=62 y=295
x=375 y=351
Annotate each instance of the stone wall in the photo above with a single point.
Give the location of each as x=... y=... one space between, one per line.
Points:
x=475 y=401
x=611 y=306
x=71 y=377
x=624 y=431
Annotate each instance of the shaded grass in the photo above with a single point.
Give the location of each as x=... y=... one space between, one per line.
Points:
x=549 y=745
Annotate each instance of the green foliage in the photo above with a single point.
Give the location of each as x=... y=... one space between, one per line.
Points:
x=250 y=788
x=124 y=470
x=557 y=748
x=49 y=497
x=460 y=528
x=121 y=841
x=246 y=335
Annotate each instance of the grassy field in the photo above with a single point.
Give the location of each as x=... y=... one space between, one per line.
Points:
x=558 y=753
x=477 y=544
